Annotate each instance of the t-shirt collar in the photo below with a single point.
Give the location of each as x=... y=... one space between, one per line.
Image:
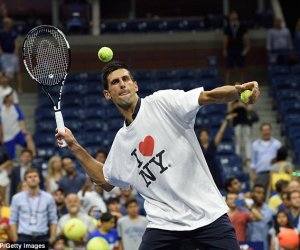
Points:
x=135 y=112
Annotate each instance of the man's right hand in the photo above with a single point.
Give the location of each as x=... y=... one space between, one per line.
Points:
x=67 y=136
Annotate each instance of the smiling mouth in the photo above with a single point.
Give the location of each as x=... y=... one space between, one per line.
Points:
x=124 y=93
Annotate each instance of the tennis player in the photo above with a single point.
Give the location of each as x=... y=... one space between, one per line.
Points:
x=157 y=152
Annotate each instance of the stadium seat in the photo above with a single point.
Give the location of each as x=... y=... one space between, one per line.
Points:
x=226 y=148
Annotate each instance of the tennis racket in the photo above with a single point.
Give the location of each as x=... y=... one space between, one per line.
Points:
x=47 y=57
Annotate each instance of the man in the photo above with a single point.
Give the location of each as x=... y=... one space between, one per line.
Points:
x=73 y=205
x=236 y=46
x=107 y=231
x=294 y=210
x=33 y=213
x=240 y=216
x=263 y=151
x=17 y=174
x=59 y=197
x=9 y=51
x=259 y=230
x=131 y=227
x=13 y=129
x=157 y=153
x=73 y=181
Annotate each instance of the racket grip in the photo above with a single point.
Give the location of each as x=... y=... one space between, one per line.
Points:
x=60 y=125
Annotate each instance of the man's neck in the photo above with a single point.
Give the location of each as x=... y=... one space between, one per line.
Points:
x=295 y=211
x=33 y=191
x=127 y=113
x=134 y=217
x=103 y=230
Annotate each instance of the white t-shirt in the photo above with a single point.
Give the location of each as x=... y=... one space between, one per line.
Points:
x=159 y=155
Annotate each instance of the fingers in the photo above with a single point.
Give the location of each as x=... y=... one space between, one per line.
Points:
x=253 y=86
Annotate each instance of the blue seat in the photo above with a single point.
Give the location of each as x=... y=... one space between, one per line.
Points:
x=46 y=126
x=115 y=123
x=295 y=69
x=275 y=70
x=74 y=124
x=93 y=101
x=93 y=113
x=72 y=113
x=211 y=72
x=71 y=101
x=231 y=164
x=93 y=125
x=45 y=139
x=226 y=148
x=143 y=75
x=166 y=75
x=46 y=152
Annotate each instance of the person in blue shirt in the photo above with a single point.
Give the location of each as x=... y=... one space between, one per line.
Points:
x=107 y=231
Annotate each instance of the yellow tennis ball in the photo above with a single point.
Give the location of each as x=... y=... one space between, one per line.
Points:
x=74 y=229
x=97 y=243
x=105 y=54
x=245 y=95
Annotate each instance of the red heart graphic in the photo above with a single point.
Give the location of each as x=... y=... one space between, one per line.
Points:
x=146 y=147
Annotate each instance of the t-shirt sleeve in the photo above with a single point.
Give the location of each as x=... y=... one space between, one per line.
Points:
x=20 y=114
x=181 y=104
x=111 y=177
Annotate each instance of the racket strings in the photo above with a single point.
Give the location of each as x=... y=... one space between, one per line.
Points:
x=47 y=56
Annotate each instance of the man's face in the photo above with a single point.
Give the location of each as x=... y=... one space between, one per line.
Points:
x=121 y=88
x=4 y=80
x=258 y=195
x=68 y=166
x=59 y=197
x=235 y=186
x=132 y=209
x=114 y=206
x=32 y=180
x=295 y=200
x=277 y=23
x=101 y=157
x=266 y=132
x=73 y=203
x=230 y=200
x=26 y=158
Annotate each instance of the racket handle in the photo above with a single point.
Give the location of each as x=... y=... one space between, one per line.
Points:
x=60 y=125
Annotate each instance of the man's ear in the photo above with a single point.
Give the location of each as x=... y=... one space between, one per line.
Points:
x=106 y=94
x=136 y=86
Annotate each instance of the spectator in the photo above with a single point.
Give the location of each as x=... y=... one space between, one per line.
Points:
x=281 y=222
x=60 y=243
x=114 y=207
x=17 y=174
x=13 y=127
x=55 y=172
x=294 y=210
x=209 y=149
x=275 y=200
x=242 y=128
x=5 y=235
x=293 y=185
x=233 y=185
x=286 y=204
x=107 y=231
x=59 y=197
x=9 y=51
x=33 y=212
x=73 y=205
x=240 y=216
x=73 y=181
x=279 y=38
x=5 y=168
x=259 y=230
x=101 y=155
x=4 y=85
x=90 y=196
x=263 y=151
x=281 y=168
x=236 y=46
x=131 y=227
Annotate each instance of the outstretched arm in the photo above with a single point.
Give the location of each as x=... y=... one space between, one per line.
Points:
x=221 y=130
x=93 y=168
x=228 y=93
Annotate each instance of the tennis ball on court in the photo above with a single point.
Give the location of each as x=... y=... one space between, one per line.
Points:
x=74 y=229
x=245 y=95
x=105 y=54
x=97 y=243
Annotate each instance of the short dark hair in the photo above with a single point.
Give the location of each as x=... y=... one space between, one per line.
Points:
x=257 y=185
x=228 y=183
x=130 y=201
x=111 y=67
x=202 y=129
x=105 y=217
x=101 y=151
x=26 y=150
x=282 y=154
x=280 y=185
